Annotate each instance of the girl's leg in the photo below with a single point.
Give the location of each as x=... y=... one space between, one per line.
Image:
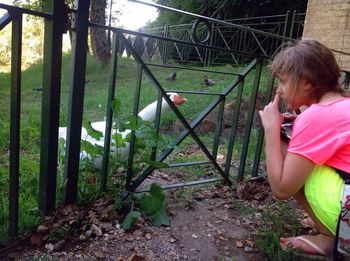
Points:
x=300 y=198
x=324 y=240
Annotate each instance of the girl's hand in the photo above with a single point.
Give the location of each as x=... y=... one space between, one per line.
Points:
x=289 y=117
x=271 y=117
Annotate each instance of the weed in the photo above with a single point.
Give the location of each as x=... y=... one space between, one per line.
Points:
x=278 y=219
x=241 y=208
x=56 y=235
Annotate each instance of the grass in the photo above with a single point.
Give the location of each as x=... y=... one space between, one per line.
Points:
x=279 y=219
x=95 y=103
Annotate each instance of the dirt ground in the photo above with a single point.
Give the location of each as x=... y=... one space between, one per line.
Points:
x=204 y=225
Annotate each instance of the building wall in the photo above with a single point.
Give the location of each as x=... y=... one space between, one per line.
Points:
x=328 y=21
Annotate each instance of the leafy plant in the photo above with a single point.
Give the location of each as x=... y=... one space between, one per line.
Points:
x=56 y=235
x=278 y=220
x=130 y=219
x=154 y=206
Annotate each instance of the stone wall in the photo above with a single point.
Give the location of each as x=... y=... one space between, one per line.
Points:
x=328 y=21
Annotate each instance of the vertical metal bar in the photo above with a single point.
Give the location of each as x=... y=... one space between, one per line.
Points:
x=164 y=45
x=286 y=23
x=234 y=123
x=260 y=140
x=15 y=125
x=50 y=106
x=76 y=102
x=212 y=30
x=249 y=121
x=218 y=128
x=291 y=29
x=129 y=173
x=109 y=112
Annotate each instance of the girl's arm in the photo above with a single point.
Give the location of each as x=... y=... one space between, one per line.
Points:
x=287 y=175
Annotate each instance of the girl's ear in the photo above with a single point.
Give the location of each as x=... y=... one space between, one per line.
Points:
x=305 y=84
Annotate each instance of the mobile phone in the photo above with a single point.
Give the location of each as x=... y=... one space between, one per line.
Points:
x=286 y=130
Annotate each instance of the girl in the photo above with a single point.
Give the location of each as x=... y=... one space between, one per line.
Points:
x=308 y=76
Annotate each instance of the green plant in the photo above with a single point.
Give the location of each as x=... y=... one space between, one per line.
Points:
x=152 y=205
x=278 y=219
x=56 y=235
x=241 y=208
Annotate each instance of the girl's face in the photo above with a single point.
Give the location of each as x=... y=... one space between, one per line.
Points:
x=293 y=95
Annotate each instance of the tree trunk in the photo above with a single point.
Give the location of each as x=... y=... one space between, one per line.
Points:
x=99 y=41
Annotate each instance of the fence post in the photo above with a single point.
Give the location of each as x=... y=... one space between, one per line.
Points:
x=50 y=105
x=15 y=124
x=76 y=101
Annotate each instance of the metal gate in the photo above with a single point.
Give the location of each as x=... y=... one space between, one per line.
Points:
x=56 y=20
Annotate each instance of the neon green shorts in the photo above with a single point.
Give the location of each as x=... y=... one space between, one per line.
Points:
x=323 y=190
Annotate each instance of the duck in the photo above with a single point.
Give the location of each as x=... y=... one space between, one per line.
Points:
x=171 y=76
x=207 y=81
x=147 y=114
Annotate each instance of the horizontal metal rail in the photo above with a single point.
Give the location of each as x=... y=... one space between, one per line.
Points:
x=212 y=20
x=189 y=69
x=124 y=31
x=19 y=10
x=186 y=184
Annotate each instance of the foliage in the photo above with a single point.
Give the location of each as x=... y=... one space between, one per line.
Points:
x=152 y=205
x=225 y=9
x=34 y=4
x=278 y=219
x=130 y=219
x=32 y=47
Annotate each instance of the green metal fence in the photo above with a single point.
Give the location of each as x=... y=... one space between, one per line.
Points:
x=55 y=21
x=224 y=36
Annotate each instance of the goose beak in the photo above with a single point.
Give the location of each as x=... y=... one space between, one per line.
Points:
x=178 y=100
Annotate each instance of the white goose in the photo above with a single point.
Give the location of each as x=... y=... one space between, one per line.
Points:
x=147 y=114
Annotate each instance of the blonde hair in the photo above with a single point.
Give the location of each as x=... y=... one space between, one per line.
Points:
x=310 y=60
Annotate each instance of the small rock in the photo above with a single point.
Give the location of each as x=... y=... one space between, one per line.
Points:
x=239 y=244
x=49 y=247
x=223 y=238
x=99 y=254
x=148 y=236
x=194 y=236
x=172 y=240
x=248 y=249
x=249 y=243
x=97 y=230
x=88 y=233
x=258 y=216
x=59 y=245
x=42 y=229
